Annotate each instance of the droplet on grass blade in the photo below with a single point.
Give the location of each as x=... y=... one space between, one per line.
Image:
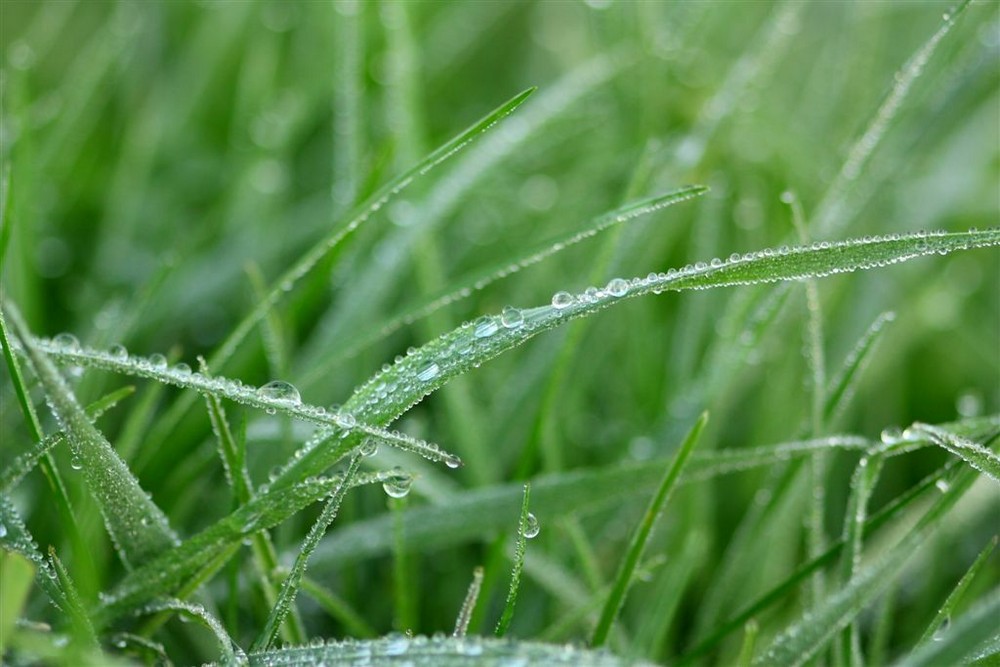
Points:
x=531 y=526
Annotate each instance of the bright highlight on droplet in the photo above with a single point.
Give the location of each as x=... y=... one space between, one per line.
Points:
x=562 y=300
x=398 y=484
x=531 y=526
x=279 y=390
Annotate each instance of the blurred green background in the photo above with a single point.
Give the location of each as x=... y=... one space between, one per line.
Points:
x=159 y=149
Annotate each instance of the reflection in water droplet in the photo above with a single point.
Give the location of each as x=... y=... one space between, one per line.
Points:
x=562 y=300
x=118 y=352
x=511 y=317
x=453 y=461
x=368 y=448
x=484 y=327
x=617 y=287
x=75 y=463
x=428 y=372
x=158 y=361
x=531 y=527
x=67 y=341
x=279 y=390
x=398 y=485
x=182 y=369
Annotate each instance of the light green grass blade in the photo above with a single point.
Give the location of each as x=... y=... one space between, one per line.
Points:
x=290 y=587
x=806 y=637
x=526 y=527
x=841 y=387
x=14 y=536
x=23 y=464
x=138 y=528
x=15 y=585
x=338 y=608
x=82 y=627
x=977 y=456
x=947 y=609
x=439 y=652
x=964 y=638
x=469 y=603
x=643 y=531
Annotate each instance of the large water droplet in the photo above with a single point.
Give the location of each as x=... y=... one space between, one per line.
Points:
x=3 y=530
x=118 y=352
x=75 y=463
x=67 y=342
x=531 y=527
x=511 y=317
x=891 y=435
x=279 y=390
x=562 y=300
x=618 y=287
x=345 y=420
x=398 y=485
x=182 y=369
x=484 y=327
x=158 y=361
x=428 y=372
x=452 y=461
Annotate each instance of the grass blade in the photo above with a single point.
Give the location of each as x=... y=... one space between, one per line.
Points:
x=231 y=653
x=963 y=639
x=527 y=526
x=469 y=603
x=977 y=456
x=841 y=386
x=626 y=570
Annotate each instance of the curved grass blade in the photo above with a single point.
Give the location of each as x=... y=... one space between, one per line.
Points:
x=82 y=626
x=975 y=455
x=23 y=464
x=290 y=587
x=800 y=642
x=438 y=652
x=138 y=528
x=236 y=391
x=626 y=570
x=232 y=654
x=483 y=278
x=520 y=546
x=15 y=537
x=948 y=608
x=964 y=639
x=841 y=386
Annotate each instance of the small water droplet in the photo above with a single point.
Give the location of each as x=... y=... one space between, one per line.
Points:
x=368 y=448
x=75 y=463
x=453 y=461
x=279 y=390
x=398 y=485
x=618 y=287
x=562 y=300
x=511 y=317
x=345 y=420
x=531 y=527
x=67 y=342
x=118 y=352
x=3 y=530
x=428 y=372
x=891 y=435
x=484 y=327
x=182 y=369
x=158 y=361
x=942 y=485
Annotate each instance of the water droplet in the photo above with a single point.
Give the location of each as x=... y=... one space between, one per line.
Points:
x=617 y=287
x=345 y=420
x=118 y=352
x=484 y=327
x=279 y=390
x=368 y=448
x=75 y=463
x=3 y=530
x=453 y=461
x=562 y=300
x=428 y=372
x=531 y=527
x=158 y=361
x=182 y=369
x=67 y=342
x=891 y=435
x=787 y=197
x=511 y=317
x=942 y=485
x=398 y=485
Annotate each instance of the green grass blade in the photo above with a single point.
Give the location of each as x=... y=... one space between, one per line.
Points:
x=637 y=545
x=800 y=642
x=526 y=527
x=138 y=528
x=232 y=654
x=469 y=603
x=439 y=652
x=290 y=587
x=964 y=638
x=14 y=536
x=82 y=626
x=15 y=587
x=842 y=384
x=338 y=608
x=750 y=631
x=947 y=609
x=977 y=456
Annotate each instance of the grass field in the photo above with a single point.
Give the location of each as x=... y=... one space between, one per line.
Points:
x=500 y=333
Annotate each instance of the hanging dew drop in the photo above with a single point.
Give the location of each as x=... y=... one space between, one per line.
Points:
x=562 y=300
x=453 y=461
x=428 y=372
x=617 y=287
x=484 y=327
x=75 y=463
x=118 y=352
x=398 y=484
x=511 y=317
x=279 y=390
x=531 y=527
x=67 y=342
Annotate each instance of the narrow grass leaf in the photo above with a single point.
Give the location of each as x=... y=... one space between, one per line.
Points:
x=440 y=651
x=82 y=627
x=338 y=608
x=637 y=545
x=14 y=536
x=290 y=587
x=977 y=456
x=15 y=586
x=806 y=637
x=232 y=654
x=138 y=528
x=841 y=387
x=947 y=610
x=964 y=638
x=527 y=527
x=750 y=631
x=469 y=603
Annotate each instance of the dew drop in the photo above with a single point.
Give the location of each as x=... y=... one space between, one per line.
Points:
x=942 y=485
x=428 y=372
x=345 y=420
x=618 y=287
x=531 y=527
x=118 y=352
x=67 y=342
x=398 y=484
x=453 y=461
x=182 y=369
x=562 y=300
x=279 y=390
x=158 y=361
x=511 y=317
x=75 y=463
x=3 y=530
x=368 y=448
x=484 y=327
x=891 y=435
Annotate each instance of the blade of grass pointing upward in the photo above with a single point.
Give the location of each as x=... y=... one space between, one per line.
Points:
x=524 y=531
x=623 y=580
